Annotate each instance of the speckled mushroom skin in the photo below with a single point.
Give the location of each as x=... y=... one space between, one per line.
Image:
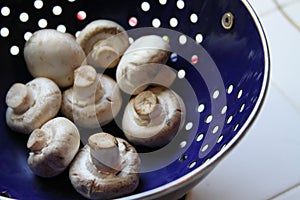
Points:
x=47 y=101
x=94 y=184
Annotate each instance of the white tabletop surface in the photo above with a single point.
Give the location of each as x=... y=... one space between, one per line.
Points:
x=266 y=163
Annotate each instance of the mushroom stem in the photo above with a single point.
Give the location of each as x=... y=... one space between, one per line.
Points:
x=146 y=105
x=37 y=140
x=19 y=98
x=104 y=151
x=87 y=86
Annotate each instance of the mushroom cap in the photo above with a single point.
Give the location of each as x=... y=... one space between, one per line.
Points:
x=103 y=41
x=53 y=147
x=55 y=55
x=161 y=128
x=92 y=115
x=94 y=184
x=47 y=101
x=142 y=64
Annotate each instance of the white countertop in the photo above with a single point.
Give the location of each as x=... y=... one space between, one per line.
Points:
x=266 y=163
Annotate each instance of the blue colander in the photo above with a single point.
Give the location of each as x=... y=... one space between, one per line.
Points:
x=218 y=50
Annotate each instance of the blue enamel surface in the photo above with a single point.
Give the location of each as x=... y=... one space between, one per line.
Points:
x=237 y=53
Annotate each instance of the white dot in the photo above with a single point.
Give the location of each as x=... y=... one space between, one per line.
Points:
x=204 y=148
x=224 y=110
x=229 y=120
x=183 y=144
x=131 y=40
x=57 y=10
x=77 y=33
x=194 y=18
x=209 y=119
x=71 y=0
x=61 y=28
x=200 y=137
x=201 y=108
x=24 y=17
x=27 y=35
x=5 y=11
x=166 y=38
x=189 y=126
x=216 y=94
x=182 y=39
x=199 y=38
x=173 y=22
x=236 y=127
x=180 y=4
x=42 y=23
x=193 y=164
x=4 y=32
x=163 y=2
x=194 y=59
x=81 y=15
x=14 y=50
x=242 y=108
x=215 y=129
x=38 y=4
x=240 y=94
x=181 y=74
x=230 y=89
x=220 y=139
x=145 y=6
x=133 y=21
x=156 y=23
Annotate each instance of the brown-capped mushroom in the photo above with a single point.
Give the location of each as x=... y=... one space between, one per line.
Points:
x=105 y=168
x=94 y=100
x=53 y=147
x=104 y=42
x=143 y=63
x=153 y=117
x=53 y=54
x=31 y=105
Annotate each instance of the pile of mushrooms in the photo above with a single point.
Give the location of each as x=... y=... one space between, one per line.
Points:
x=66 y=79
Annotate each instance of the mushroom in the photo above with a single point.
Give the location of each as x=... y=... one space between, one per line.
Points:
x=153 y=117
x=31 y=105
x=143 y=64
x=105 y=168
x=103 y=41
x=94 y=99
x=53 y=147
x=52 y=54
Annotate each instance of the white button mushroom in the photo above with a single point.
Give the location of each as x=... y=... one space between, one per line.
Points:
x=53 y=54
x=105 y=168
x=104 y=42
x=53 y=147
x=143 y=63
x=31 y=105
x=94 y=100
x=153 y=117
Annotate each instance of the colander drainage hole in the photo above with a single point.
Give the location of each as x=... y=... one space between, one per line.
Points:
x=183 y=158
x=192 y=165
